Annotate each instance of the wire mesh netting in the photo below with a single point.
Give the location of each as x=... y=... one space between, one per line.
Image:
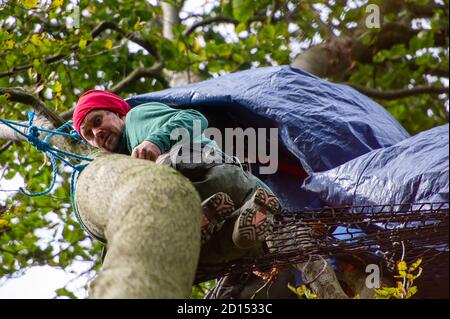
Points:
x=391 y=232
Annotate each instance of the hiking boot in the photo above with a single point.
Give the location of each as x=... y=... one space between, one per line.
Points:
x=255 y=222
x=216 y=209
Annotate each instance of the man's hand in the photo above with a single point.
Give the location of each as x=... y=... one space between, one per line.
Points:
x=146 y=150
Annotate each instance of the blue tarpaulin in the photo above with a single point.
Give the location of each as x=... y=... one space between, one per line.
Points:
x=321 y=124
x=415 y=170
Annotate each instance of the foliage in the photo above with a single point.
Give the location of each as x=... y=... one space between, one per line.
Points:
x=302 y=292
x=404 y=289
x=44 y=51
x=199 y=290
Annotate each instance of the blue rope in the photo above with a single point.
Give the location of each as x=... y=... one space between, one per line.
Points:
x=73 y=134
x=42 y=145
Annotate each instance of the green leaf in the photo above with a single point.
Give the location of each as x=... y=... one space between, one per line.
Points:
x=214 y=66
x=412 y=291
x=7 y=260
x=56 y=4
x=4 y=35
x=402 y=266
x=4 y=98
x=243 y=9
x=415 y=265
x=108 y=44
x=82 y=44
x=167 y=49
x=238 y=58
x=227 y=8
x=66 y=293
x=30 y=4
x=240 y=27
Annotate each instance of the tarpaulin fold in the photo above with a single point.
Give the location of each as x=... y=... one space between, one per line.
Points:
x=321 y=124
x=415 y=170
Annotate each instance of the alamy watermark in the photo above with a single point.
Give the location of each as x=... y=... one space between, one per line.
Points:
x=250 y=145
x=373 y=19
x=373 y=279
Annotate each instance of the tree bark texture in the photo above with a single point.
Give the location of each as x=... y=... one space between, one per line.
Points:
x=326 y=284
x=319 y=272
x=150 y=216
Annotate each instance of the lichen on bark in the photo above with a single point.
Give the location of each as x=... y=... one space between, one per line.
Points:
x=150 y=216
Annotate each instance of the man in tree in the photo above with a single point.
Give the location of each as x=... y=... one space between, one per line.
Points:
x=235 y=202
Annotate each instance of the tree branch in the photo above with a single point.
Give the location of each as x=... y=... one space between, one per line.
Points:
x=47 y=25
x=5 y=146
x=105 y=25
x=336 y=56
x=423 y=11
x=155 y=71
x=397 y=94
x=222 y=19
x=7 y=133
x=19 y=95
x=170 y=18
x=46 y=118
x=128 y=35
x=208 y=21
x=67 y=115
x=437 y=72
x=275 y=7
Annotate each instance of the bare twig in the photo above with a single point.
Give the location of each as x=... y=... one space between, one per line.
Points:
x=154 y=71
x=208 y=21
x=67 y=115
x=5 y=146
x=19 y=95
x=129 y=35
x=223 y=19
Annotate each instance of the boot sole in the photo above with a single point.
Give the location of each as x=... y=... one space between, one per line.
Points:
x=255 y=223
x=216 y=209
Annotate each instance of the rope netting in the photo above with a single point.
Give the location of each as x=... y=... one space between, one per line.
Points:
x=392 y=232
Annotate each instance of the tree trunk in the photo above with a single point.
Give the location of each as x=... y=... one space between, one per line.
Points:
x=331 y=59
x=336 y=57
x=171 y=20
x=319 y=272
x=150 y=217
x=326 y=285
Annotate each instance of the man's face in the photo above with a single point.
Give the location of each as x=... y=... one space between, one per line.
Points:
x=103 y=129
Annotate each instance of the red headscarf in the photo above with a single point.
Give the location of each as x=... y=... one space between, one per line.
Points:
x=98 y=100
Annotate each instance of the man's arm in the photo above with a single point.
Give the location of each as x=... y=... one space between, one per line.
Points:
x=150 y=127
x=180 y=119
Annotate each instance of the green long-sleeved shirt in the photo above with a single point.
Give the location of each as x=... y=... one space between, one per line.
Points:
x=154 y=122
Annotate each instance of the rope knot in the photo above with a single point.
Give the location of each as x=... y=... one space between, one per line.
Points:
x=32 y=133
x=33 y=138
